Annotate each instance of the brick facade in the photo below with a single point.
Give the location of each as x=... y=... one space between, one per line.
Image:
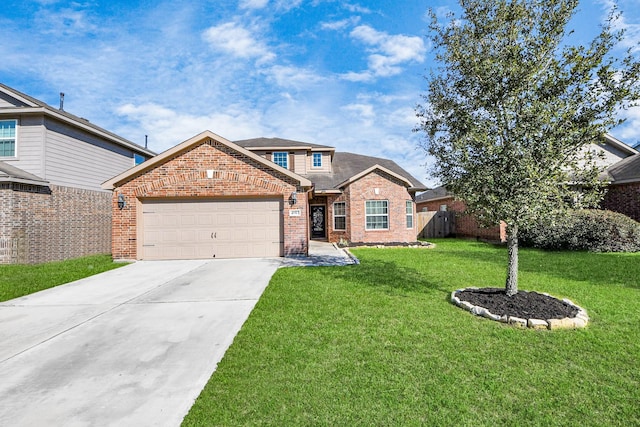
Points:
x=185 y=175
x=466 y=225
x=623 y=198
x=49 y=223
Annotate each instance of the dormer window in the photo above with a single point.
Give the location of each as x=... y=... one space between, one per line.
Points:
x=317 y=160
x=281 y=158
x=8 y=138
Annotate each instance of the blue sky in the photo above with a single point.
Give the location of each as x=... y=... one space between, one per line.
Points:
x=341 y=73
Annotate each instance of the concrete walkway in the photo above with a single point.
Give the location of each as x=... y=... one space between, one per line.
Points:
x=130 y=347
x=321 y=254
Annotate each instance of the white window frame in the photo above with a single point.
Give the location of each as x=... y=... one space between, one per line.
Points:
x=281 y=153
x=409 y=213
x=340 y=216
x=313 y=160
x=15 y=139
x=368 y=215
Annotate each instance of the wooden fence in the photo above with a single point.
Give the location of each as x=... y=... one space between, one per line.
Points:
x=436 y=224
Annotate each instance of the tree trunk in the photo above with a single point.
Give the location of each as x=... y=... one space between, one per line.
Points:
x=512 y=269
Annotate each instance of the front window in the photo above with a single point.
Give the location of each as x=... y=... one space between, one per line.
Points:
x=317 y=160
x=339 y=216
x=409 y=214
x=377 y=215
x=8 y=138
x=281 y=159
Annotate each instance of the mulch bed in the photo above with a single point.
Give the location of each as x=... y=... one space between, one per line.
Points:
x=526 y=305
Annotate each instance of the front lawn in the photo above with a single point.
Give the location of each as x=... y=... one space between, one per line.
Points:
x=380 y=344
x=20 y=280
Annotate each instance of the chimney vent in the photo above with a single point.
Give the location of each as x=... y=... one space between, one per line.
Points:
x=61 y=101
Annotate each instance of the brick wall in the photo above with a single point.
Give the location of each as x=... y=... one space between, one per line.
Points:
x=40 y=224
x=185 y=176
x=466 y=225
x=390 y=189
x=624 y=198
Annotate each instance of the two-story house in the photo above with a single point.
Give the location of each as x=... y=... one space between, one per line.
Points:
x=209 y=197
x=52 y=165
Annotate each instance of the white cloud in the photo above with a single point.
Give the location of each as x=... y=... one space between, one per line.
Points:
x=237 y=41
x=294 y=77
x=340 y=25
x=387 y=52
x=161 y=123
x=253 y=4
x=356 y=8
x=67 y=21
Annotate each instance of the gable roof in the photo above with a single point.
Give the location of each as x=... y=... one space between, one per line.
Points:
x=188 y=144
x=10 y=173
x=630 y=151
x=31 y=105
x=626 y=170
x=263 y=143
x=347 y=167
x=437 y=193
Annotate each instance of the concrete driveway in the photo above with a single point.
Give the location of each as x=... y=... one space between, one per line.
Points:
x=130 y=347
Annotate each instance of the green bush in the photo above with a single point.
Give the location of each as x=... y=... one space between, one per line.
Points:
x=588 y=229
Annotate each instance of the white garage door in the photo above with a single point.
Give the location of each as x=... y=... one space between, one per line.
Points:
x=189 y=229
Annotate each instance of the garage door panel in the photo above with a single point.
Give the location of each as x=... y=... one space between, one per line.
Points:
x=175 y=229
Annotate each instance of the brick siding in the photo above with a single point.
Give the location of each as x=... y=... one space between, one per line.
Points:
x=466 y=225
x=40 y=224
x=624 y=198
x=390 y=189
x=185 y=176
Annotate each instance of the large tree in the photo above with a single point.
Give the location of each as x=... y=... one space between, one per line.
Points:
x=511 y=110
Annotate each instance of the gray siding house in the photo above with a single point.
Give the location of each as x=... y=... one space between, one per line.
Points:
x=52 y=165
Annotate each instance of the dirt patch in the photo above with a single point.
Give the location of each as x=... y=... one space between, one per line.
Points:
x=526 y=305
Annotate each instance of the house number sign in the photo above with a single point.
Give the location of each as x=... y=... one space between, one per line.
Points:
x=295 y=212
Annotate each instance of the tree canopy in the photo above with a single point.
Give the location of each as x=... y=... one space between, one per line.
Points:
x=511 y=110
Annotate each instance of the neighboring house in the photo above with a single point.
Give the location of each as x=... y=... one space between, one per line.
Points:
x=623 y=194
x=209 y=197
x=621 y=161
x=52 y=164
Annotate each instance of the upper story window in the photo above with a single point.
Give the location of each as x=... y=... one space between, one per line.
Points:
x=317 y=160
x=137 y=159
x=281 y=159
x=8 y=138
x=377 y=215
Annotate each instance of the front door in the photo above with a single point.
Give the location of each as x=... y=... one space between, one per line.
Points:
x=317 y=222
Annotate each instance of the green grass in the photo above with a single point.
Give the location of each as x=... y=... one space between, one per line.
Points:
x=20 y=280
x=380 y=344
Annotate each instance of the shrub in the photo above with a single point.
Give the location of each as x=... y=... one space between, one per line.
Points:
x=587 y=229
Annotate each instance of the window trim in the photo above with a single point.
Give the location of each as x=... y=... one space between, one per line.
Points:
x=367 y=215
x=339 y=216
x=15 y=139
x=409 y=214
x=313 y=160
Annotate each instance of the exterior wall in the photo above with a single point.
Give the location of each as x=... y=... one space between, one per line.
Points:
x=466 y=225
x=66 y=156
x=78 y=159
x=333 y=235
x=326 y=163
x=29 y=145
x=40 y=224
x=390 y=189
x=185 y=176
x=624 y=198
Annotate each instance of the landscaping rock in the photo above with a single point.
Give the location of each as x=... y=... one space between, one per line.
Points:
x=537 y=324
x=518 y=322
